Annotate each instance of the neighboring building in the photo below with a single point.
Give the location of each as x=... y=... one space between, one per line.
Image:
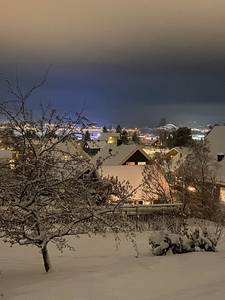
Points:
x=216 y=137
x=93 y=147
x=177 y=156
x=109 y=137
x=69 y=148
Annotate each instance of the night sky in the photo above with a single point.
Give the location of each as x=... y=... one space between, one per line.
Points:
x=130 y=62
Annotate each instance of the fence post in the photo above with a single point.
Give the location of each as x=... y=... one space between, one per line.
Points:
x=136 y=218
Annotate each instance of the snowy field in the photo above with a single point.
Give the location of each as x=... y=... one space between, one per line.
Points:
x=97 y=271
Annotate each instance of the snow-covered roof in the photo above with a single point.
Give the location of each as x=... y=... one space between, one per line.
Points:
x=70 y=147
x=96 y=144
x=113 y=155
x=5 y=154
x=179 y=158
x=182 y=150
x=104 y=136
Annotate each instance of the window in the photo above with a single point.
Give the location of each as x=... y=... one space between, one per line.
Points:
x=12 y=165
x=222 y=194
x=130 y=163
x=141 y=163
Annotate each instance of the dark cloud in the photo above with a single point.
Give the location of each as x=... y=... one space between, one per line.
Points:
x=129 y=62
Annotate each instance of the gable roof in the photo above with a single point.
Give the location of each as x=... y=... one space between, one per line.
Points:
x=182 y=150
x=113 y=155
x=96 y=144
x=69 y=147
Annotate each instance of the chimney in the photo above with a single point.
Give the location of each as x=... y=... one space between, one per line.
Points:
x=220 y=156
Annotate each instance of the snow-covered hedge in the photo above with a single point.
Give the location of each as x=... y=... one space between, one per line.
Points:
x=167 y=243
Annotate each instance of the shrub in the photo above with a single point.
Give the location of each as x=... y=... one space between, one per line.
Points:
x=167 y=243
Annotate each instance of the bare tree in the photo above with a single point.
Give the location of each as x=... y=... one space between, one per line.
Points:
x=49 y=192
x=157 y=181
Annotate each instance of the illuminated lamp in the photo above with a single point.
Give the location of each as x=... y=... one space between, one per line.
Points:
x=192 y=189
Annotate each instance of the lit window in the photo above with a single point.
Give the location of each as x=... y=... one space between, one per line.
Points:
x=222 y=194
x=141 y=163
x=130 y=163
x=12 y=165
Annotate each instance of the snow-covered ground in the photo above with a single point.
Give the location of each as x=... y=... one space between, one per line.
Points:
x=97 y=271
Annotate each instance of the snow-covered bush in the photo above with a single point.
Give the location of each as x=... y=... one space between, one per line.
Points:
x=215 y=229
x=169 y=243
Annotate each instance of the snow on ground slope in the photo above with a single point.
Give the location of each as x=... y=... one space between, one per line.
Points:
x=97 y=271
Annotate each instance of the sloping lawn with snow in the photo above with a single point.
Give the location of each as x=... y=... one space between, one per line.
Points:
x=97 y=271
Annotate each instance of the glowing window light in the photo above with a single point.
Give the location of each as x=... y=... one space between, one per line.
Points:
x=12 y=165
x=222 y=194
x=110 y=140
x=192 y=189
x=130 y=163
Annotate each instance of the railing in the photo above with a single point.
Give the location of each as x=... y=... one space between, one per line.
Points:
x=145 y=209
x=148 y=215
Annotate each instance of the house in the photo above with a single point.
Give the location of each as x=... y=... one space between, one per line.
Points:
x=114 y=154
x=216 y=138
x=176 y=156
x=109 y=137
x=70 y=148
x=125 y=162
x=93 y=147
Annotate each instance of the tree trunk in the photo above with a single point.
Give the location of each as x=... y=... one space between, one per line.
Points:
x=46 y=258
